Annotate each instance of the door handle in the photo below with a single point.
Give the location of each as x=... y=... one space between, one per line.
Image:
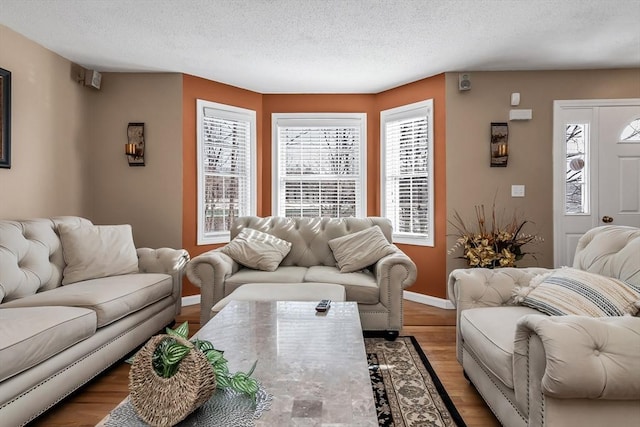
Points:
x=607 y=219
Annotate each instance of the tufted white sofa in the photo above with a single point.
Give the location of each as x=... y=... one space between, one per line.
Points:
x=54 y=338
x=378 y=289
x=539 y=370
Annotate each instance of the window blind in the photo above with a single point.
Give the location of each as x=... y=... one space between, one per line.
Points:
x=320 y=169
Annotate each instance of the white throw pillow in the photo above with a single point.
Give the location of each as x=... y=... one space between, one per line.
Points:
x=257 y=250
x=95 y=251
x=359 y=250
x=572 y=291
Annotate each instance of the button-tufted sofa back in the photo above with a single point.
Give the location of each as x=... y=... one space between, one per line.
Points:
x=31 y=258
x=610 y=250
x=310 y=236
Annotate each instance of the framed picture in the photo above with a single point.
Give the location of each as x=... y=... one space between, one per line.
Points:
x=5 y=118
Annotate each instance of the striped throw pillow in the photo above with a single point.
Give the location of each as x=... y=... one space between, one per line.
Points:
x=571 y=291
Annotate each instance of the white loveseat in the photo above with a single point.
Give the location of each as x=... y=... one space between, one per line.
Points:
x=53 y=337
x=377 y=289
x=538 y=370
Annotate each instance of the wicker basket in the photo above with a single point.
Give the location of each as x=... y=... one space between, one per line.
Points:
x=166 y=401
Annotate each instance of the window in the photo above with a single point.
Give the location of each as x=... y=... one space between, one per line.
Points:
x=319 y=165
x=226 y=168
x=631 y=132
x=406 y=136
x=576 y=199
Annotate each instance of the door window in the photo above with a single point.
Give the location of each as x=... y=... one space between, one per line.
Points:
x=631 y=132
x=576 y=184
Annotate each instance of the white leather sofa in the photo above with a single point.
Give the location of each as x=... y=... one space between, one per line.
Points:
x=53 y=337
x=538 y=370
x=377 y=289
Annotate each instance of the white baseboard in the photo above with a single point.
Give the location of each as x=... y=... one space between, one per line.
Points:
x=428 y=300
x=191 y=300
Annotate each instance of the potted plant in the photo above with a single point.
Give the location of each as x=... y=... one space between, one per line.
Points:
x=172 y=376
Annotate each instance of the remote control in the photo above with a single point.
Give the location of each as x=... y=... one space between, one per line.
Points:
x=323 y=305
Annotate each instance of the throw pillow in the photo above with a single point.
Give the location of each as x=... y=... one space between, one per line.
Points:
x=257 y=250
x=95 y=251
x=359 y=250
x=572 y=291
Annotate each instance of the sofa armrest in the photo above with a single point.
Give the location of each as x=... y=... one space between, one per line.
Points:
x=397 y=269
x=208 y=271
x=394 y=273
x=162 y=260
x=582 y=358
x=484 y=287
x=168 y=261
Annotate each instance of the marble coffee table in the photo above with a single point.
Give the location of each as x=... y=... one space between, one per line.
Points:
x=313 y=364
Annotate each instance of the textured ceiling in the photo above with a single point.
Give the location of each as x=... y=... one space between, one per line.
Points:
x=331 y=46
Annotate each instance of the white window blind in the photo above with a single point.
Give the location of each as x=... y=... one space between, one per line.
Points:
x=407 y=171
x=226 y=165
x=319 y=165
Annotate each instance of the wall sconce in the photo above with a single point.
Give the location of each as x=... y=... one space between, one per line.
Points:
x=134 y=149
x=499 y=144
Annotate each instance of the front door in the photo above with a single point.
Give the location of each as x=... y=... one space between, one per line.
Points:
x=619 y=159
x=596 y=169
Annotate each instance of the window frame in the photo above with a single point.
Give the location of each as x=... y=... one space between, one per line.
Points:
x=226 y=112
x=399 y=113
x=318 y=119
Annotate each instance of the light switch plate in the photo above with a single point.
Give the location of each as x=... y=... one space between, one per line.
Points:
x=517 y=191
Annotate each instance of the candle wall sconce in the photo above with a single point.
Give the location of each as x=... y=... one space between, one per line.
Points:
x=499 y=144
x=134 y=148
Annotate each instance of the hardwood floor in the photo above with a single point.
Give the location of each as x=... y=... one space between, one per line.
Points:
x=434 y=329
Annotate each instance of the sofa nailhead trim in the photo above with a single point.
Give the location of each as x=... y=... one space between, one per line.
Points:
x=494 y=383
x=78 y=385
x=542 y=397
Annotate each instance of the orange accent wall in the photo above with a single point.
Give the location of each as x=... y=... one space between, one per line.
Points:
x=194 y=88
x=431 y=262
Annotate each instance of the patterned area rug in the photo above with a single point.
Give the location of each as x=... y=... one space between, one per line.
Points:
x=407 y=390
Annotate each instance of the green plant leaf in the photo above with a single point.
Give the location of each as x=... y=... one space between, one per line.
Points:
x=242 y=383
x=252 y=387
x=221 y=369
x=215 y=357
x=176 y=352
x=204 y=345
x=181 y=331
x=252 y=368
x=157 y=357
x=222 y=381
x=167 y=356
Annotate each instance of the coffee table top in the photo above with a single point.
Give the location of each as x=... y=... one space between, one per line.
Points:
x=313 y=364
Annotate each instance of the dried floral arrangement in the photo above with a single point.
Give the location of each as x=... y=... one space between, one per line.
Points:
x=493 y=244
